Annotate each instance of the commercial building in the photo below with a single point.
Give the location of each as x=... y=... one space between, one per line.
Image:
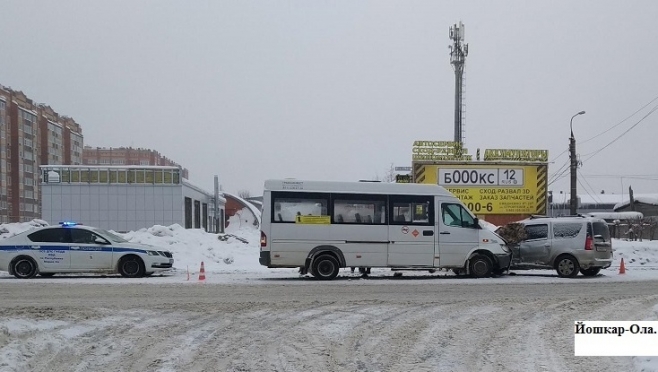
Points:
x=127 y=156
x=31 y=134
x=127 y=198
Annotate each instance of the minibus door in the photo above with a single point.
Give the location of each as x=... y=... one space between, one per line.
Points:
x=411 y=231
x=458 y=234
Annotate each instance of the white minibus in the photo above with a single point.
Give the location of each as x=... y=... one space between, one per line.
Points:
x=321 y=227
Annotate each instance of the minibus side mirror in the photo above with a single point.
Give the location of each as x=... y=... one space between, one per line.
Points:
x=476 y=223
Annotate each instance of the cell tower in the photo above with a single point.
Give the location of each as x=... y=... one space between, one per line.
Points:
x=458 y=53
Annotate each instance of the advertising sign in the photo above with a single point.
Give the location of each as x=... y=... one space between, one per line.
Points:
x=490 y=188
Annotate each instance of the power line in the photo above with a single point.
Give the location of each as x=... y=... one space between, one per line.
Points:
x=609 y=129
x=591 y=155
x=621 y=122
x=597 y=199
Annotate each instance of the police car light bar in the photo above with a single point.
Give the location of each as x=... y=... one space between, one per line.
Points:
x=68 y=223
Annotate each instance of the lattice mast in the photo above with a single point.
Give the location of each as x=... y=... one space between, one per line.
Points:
x=458 y=53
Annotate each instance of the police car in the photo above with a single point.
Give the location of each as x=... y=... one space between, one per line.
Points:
x=73 y=248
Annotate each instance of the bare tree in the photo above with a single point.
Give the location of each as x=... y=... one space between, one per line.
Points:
x=389 y=176
x=244 y=194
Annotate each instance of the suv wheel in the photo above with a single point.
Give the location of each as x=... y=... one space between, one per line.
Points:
x=592 y=271
x=567 y=267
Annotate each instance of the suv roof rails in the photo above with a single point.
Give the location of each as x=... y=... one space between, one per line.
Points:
x=561 y=216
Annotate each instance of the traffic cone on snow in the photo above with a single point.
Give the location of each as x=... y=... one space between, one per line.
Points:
x=202 y=273
x=622 y=268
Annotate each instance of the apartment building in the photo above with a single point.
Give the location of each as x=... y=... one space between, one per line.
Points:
x=127 y=156
x=31 y=135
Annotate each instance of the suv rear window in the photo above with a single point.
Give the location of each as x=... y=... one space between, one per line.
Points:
x=566 y=230
x=601 y=228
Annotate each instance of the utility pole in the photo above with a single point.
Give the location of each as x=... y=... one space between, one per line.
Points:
x=573 y=210
x=458 y=53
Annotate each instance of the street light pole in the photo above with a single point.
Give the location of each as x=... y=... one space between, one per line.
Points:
x=573 y=210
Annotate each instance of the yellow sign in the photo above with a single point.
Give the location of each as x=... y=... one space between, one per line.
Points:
x=491 y=188
x=402 y=178
x=439 y=150
x=313 y=220
x=518 y=155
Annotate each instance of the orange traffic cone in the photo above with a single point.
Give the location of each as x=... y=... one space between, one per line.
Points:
x=202 y=273
x=622 y=268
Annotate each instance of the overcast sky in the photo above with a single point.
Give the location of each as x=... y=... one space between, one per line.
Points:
x=339 y=90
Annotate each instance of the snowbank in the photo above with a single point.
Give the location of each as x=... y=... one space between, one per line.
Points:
x=237 y=250
x=10 y=229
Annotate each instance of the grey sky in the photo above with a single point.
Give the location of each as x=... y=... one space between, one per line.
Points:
x=338 y=90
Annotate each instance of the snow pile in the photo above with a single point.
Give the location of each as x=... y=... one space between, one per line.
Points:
x=10 y=229
x=235 y=251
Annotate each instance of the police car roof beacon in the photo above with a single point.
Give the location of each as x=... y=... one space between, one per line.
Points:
x=69 y=223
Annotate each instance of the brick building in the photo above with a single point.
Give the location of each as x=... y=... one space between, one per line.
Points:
x=127 y=156
x=31 y=135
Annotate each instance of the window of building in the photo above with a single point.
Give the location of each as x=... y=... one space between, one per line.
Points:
x=28 y=182
x=28 y=168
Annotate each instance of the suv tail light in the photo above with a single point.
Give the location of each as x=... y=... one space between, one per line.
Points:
x=588 y=243
x=263 y=240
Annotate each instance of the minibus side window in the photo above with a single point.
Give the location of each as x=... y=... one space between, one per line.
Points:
x=411 y=210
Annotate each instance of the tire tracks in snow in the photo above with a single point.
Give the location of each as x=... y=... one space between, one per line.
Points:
x=342 y=327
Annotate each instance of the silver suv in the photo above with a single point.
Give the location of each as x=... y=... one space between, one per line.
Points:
x=567 y=244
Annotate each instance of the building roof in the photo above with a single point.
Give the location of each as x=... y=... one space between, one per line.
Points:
x=644 y=199
x=598 y=199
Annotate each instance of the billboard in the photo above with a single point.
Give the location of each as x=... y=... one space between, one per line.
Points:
x=492 y=188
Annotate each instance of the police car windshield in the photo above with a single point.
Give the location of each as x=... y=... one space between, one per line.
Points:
x=109 y=235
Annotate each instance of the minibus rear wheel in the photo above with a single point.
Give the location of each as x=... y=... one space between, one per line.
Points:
x=325 y=267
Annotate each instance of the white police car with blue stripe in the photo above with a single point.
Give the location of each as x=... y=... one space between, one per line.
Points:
x=74 y=248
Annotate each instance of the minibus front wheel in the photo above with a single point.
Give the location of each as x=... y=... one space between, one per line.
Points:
x=325 y=267
x=480 y=266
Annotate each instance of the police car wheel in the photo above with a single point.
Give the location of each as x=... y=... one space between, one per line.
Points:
x=24 y=268
x=131 y=267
